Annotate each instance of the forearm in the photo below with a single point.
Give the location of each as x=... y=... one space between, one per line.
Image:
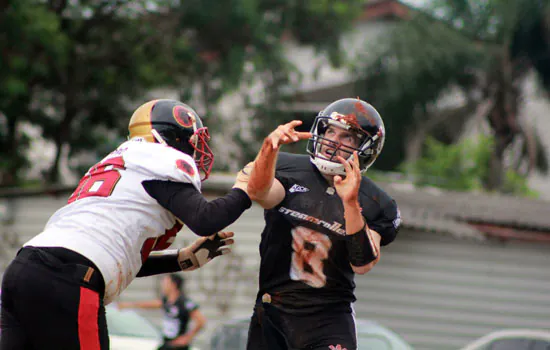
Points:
x=146 y=304
x=210 y=217
x=186 y=259
x=192 y=333
x=362 y=249
x=189 y=205
x=352 y=215
x=263 y=171
x=160 y=262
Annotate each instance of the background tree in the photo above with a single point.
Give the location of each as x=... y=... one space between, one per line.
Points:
x=30 y=37
x=457 y=58
x=86 y=62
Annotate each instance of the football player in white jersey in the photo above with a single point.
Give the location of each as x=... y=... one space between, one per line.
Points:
x=126 y=209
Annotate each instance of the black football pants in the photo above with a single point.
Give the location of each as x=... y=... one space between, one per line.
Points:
x=273 y=329
x=52 y=298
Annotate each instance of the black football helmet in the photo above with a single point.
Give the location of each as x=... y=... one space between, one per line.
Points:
x=351 y=114
x=177 y=125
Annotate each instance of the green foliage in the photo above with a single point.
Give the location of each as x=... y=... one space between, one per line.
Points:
x=30 y=40
x=77 y=69
x=477 y=52
x=516 y=184
x=463 y=166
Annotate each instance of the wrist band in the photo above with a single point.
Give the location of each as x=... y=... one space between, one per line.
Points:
x=361 y=249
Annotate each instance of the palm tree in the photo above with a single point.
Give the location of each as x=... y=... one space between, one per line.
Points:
x=456 y=59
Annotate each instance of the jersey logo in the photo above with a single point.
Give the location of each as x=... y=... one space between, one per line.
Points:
x=298 y=188
x=185 y=167
x=397 y=220
x=335 y=227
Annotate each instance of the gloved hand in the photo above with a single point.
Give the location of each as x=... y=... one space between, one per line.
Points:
x=204 y=250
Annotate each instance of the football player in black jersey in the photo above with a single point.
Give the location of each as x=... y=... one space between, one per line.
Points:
x=325 y=222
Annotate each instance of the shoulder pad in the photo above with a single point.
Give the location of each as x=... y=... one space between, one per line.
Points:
x=290 y=162
x=160 y=162
x=371 y=191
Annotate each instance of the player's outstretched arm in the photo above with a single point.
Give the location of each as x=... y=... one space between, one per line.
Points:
x=262 y=186
x=190 y=258
x=363 y=243
x=143 y=304
x=203 y=217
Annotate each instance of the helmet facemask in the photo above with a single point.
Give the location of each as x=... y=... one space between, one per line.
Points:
x=325 y=159
x=204 y=158
x=195 y=146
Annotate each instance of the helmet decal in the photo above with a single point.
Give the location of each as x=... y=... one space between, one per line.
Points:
x=182 y=116
x=348 y=120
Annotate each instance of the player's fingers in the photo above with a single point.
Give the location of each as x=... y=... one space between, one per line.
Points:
x=355 y=161
x=294 y=123
x=226 y=234
x=290 y=133
x=274 y=143
x=346 y=164
x=337 y=180
x=223 y=251
x=228 y=242
x=304 y=135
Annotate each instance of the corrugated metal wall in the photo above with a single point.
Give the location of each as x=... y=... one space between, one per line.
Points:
x=436 y=291
x=440 y=293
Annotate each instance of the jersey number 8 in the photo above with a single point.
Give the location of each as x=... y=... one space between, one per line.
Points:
x=310 y=249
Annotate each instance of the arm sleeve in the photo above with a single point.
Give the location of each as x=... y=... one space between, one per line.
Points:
x=387 y=223
x=158 y=264
x=189 y=205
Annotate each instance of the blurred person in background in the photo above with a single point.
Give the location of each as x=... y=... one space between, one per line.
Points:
x=117 y=225
x=325 y=222
x=178 y=310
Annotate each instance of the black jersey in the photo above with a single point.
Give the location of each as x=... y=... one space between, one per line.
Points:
x=176 y=316
x=304 y=258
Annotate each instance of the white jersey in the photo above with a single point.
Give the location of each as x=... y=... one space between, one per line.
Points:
x=112 y=220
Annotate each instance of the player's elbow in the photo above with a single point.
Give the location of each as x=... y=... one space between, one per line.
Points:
x=361 y=270
x=256 y=194
x=269 y=197
x=204 y=229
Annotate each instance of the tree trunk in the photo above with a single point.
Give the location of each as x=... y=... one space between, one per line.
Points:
x=495 y=178
x=417 y=137
x=60 y=139
x=8 y=175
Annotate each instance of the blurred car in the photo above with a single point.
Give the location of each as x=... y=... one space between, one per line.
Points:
x=512 y=339
x=370 y=336
x=130 y=331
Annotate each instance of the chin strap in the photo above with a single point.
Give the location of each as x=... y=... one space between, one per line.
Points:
x=157 y=137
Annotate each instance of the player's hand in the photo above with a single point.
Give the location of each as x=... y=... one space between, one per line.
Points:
x=285 y=134
x=348 y=187
x=205 y=249
x=243 y=176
